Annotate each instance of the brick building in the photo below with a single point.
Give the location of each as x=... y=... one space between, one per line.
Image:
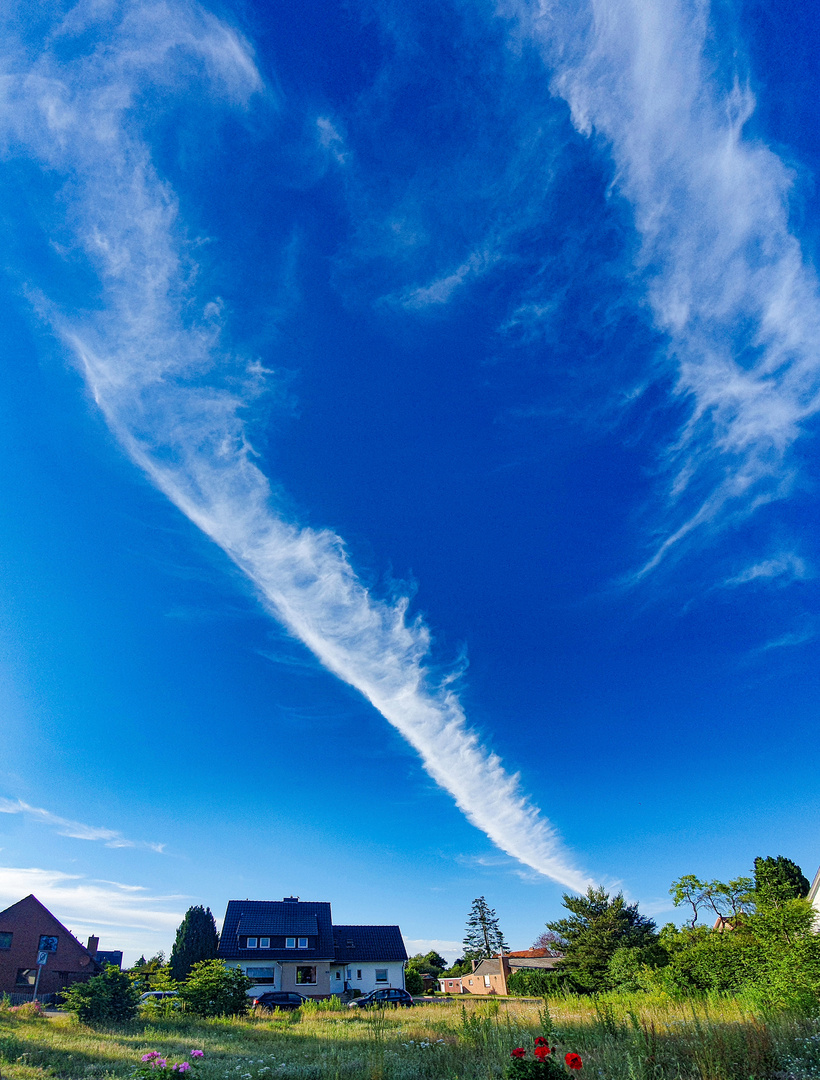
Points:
x=27 y=929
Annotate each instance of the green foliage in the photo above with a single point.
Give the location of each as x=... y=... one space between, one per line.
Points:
x=778 y=880
x=153 y=974
x=459 y=968
x=633 y=969
x=597 y=926
x=196 y=940
x=212 y=989
x=108 y=998
x=483 y=937
x=430 y=963
x=725 y=899
x=532 y=983
x=413 y=982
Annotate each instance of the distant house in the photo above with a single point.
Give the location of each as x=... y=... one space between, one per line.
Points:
x=814 y=898
x=292 y=944
x=104 y=957
x=28 y=933
x=490 y=976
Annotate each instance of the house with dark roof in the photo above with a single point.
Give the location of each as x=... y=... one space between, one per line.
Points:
x=292 y=944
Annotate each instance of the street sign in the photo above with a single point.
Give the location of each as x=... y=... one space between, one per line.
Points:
x=42 y=957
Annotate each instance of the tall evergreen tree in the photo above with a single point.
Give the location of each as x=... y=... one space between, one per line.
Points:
x=778 y=880
x=597 y=925
x=483 y=938
x=196 y=940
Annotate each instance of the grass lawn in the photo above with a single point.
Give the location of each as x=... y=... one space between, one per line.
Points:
x=628 y=1038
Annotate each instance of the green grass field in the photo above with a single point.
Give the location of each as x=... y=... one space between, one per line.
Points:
x=630 y=1038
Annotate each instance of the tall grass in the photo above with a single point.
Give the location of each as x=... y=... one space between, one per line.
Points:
x=619 y=1038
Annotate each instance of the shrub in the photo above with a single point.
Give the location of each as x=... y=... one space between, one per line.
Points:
x=212 y=989
x=107 y=998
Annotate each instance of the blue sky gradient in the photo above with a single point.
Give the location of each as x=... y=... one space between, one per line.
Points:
x=408 y=437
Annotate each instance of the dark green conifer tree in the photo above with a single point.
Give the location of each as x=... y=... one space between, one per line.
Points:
x=196 y=940
x=483 y=937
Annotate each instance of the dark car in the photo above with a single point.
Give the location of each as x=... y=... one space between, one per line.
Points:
x=278 y=999
x=382 y=999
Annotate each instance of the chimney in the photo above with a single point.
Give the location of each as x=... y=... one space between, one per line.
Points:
x=504 y=972
x=93 y=945
x=290 y=900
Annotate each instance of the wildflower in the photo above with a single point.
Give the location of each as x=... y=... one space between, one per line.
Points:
x=542 y=1051
x=197 y=1053
x=183 y=1066
x=161 y=1062
x=574 y=1061
x=151 y=1056
x=541 y=1041
x=519 y=1052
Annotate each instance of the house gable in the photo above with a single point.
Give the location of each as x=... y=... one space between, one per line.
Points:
x=24 y=928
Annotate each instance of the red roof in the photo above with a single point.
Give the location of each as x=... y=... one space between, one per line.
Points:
x=529 y=953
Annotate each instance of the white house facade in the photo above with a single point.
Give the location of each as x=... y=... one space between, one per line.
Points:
x=293 y=945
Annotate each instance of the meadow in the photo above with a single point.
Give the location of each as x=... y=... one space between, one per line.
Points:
x=619 y=1038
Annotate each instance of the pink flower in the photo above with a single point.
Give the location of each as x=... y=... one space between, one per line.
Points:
x=183 y=1066
x=151 y=1056
x=197 y=1053
x=161 y=1062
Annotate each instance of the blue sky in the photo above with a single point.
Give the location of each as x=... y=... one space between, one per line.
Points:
x=408 y=434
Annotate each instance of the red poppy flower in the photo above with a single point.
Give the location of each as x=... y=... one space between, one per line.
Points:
x=541 y=1041
x=519 y=1052
x=574 y=1061
x=542 y=1052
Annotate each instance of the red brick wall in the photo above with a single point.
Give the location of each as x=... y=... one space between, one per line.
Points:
x=26 y=921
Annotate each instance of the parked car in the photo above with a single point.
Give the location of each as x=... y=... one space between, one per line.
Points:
x=392 y=998
x=279 y=999
x=168 y=998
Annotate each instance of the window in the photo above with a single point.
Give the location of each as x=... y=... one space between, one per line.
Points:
x=264 y=943
x=26 y=976
x=305 y=975
x=470 y=981
x=358 y=973
x=5 y=941
x=303 y=943
x=47 y=943
x=338 y=974
x=260 y=974
x=486 y=980
x=290 y=942
x=251 y=943
x=381 y=974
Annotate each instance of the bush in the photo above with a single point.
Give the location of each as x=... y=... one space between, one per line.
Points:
x=109 y=998
x=215 y=990
x=413 y=982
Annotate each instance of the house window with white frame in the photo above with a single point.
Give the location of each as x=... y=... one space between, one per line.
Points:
x=264 y=943
x=251 y=943
x=381 y=974
x=305 y=976
x=290 y=942
x=303 y=942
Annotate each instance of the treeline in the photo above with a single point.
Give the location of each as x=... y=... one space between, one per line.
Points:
x=752 y=936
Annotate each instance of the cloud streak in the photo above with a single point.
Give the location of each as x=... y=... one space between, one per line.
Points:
x=727 y=281
x=144 y=354
x=75 y=829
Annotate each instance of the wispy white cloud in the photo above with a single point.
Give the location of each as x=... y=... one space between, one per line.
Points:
x=784 y=568
x=75 y=829
x=142 y=354
x=442 y=290
x=791 y=640
x=450 y=950
x=127 y=917
x=727 y=281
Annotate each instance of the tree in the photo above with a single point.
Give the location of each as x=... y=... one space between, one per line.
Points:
x=153 y=974
x=196 y=940
x=777 y=880
x=597 y=926
x=109 y=998
x=413 y=982
x=430 y=963
x=550 y=941
x=212 y=989
x=483 y=938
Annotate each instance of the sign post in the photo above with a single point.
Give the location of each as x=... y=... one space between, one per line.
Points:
x=42 y=960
